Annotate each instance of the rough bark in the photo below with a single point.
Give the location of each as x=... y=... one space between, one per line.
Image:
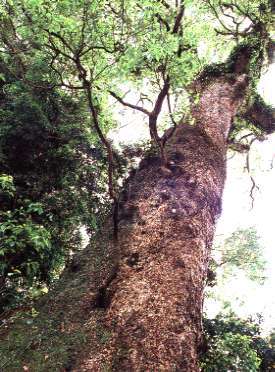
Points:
x=154 y=301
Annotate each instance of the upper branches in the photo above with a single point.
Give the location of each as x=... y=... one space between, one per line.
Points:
x=172 y=27
x=239 y=19
x=260 y=115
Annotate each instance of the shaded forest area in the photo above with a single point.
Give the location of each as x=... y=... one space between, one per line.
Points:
x=132 y=299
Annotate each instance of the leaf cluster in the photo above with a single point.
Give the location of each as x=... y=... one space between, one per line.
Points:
x=241 y=251
x=51 y=183
x=236 y=344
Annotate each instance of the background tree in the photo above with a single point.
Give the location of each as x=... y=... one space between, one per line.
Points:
x=236 y=344
x=240 y=252
x=232 y=342
x=50 y=184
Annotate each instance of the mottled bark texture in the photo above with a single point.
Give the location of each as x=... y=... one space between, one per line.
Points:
x=167 y=222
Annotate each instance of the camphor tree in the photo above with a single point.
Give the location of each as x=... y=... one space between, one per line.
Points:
x=164 y=220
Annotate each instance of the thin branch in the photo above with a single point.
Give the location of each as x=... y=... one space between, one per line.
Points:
x=163 y=21
x=82 y=74
x=272 y=162
x=144 y=97
x=109 y=65
x=61 y=38
x=154 y=117
x=246 y=32
x=254 y=185
x=246 y=136
x=117 y=48
x=232 y=156
x=106 y=143
x=245 y=13
x=212 y=7
x=169 y=133
x=134 y=107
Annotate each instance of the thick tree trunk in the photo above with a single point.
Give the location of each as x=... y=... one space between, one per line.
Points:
x=154 y=303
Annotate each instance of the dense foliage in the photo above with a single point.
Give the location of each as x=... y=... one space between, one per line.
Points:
x=51 y=183
x=242 y=252
x=236 y=344
x=232 y=342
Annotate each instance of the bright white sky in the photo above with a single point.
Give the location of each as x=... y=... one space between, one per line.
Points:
x=247 y=298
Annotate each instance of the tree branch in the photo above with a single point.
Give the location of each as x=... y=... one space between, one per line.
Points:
x=162 y=94
x=163 y=21
x=134 y=107
x=178 y=19
x=61 y=38
x=247 y=167
x=261 y=115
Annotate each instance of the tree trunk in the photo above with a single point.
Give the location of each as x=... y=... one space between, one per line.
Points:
x=154 y=302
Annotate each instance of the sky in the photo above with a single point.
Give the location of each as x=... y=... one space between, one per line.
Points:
x=247 y=298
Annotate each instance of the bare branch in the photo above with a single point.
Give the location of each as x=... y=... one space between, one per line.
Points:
x=134 y=107
x=144 y=97
x=162 y=94
x=236 y=33
x=154 y=117
x=163 y=21
x=247 y=167
x=246 y=136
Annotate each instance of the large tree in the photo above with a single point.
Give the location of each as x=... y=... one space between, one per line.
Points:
x=164 y=220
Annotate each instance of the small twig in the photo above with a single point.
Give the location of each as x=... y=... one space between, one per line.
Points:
x=144 y=97
x=247 y=167
x=245 y=136
x=272 y=162
x=252 y=191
